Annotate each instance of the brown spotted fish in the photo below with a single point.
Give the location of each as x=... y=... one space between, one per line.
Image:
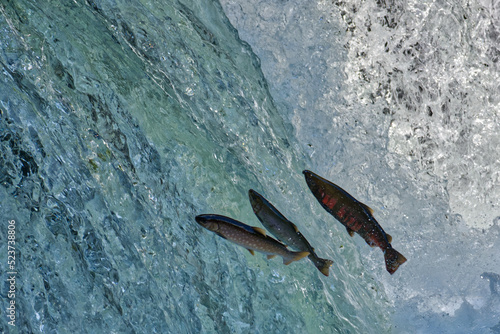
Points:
x=284 y=230
x=250 y=237
x=355 y=216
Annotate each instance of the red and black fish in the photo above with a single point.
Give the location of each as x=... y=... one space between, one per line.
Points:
x=355 y=216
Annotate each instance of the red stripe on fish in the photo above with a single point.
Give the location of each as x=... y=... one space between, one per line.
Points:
x=342 y=211
x=348 y=219
x=352 y=223
x=329 y=201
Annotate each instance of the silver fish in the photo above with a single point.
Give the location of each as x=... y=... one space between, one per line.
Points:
x=284 y=230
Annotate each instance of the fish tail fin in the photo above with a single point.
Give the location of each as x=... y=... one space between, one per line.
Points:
x=393 y=259
x=294 y=256
x=323 y=265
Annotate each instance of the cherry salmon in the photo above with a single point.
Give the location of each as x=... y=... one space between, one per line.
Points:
x=355 y=216
x=284 y=230
x=250 y=237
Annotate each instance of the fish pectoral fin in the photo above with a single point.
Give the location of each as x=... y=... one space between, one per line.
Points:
x=260 y=230
x=270 y=256
x=350 y=231
x=370 y=210
x=295 y=227
x=389 y=238
x=251 y=251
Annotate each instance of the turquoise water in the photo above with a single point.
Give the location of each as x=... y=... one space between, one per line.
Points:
x=120 y=122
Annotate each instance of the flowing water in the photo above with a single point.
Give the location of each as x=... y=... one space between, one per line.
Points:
x=121 y=121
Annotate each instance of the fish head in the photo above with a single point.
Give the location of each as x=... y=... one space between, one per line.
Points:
x=255 y=200
x=312 y=180
x=207 y=222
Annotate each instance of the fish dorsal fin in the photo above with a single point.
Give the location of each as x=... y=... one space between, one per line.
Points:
x=251 y=251
x=370 y=210
x=389 y=238
x=259 y=230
